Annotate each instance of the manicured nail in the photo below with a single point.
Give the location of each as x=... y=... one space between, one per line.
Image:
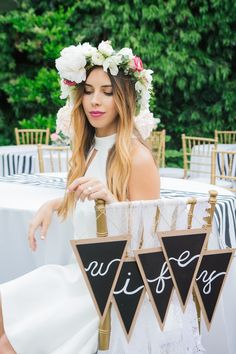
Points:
x=42 y=237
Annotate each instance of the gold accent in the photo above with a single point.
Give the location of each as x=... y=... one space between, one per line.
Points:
x=227 y=174
x=55 y=154
x=192 y=202
x=32 y=136
x=211 y=210
x=104 y=329
x=197 y=147
x=226 y=136
x=156 y=141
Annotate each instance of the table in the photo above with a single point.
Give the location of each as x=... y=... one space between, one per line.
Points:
x=15 y=159
x=200 y=166
x=18 y=203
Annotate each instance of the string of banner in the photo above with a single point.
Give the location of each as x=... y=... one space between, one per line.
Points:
x=181 y=262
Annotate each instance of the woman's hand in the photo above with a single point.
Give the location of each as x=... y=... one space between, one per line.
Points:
x=42 y=219
x=90 y=188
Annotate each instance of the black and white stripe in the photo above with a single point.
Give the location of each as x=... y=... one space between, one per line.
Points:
x=225 y=214
x=11 y=164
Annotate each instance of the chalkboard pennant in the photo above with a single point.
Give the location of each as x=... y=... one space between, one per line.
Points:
x=100 y=260
x=128 y=295
x=157 y=279
x=183 y=251
x=210 y=280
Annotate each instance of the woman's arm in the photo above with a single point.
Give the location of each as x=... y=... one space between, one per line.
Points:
x=42 y=219
x=144 y=180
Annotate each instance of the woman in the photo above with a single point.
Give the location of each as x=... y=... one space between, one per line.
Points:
x=49 y=310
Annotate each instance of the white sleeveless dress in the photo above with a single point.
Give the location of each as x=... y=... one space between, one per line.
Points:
x=50 y=311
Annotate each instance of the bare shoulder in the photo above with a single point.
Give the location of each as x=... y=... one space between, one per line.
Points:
x=141 y=155
x=144 y=180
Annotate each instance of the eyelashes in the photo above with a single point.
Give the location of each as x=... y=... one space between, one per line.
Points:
x=105 y=93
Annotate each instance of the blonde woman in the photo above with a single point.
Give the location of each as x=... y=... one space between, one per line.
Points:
x=49 y=310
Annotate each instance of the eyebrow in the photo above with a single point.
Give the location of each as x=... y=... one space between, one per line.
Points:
x=101 y=86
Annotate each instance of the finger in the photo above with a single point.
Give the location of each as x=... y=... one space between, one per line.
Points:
x=76 y=183
x=31 y=238
x=44 y=230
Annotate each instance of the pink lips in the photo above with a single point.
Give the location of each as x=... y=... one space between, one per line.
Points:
x=96 y=114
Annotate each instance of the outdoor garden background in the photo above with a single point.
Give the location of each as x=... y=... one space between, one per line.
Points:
x=190 y=46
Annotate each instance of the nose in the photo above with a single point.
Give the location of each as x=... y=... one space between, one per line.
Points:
x=96 y=99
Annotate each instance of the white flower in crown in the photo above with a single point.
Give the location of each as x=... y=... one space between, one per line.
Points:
x=63 y=122
x=71 y=64
x=97 y=58
x=112 y=63
x=105 y=48
x=145 y=123
x=126 y=52
x=88 y=50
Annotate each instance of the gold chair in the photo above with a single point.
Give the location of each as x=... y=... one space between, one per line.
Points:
x=225 y=137
x=223 y=169
x=32 y=136
x=197 y=156
x=156 y=142
x=57 y=158
x=102 y=231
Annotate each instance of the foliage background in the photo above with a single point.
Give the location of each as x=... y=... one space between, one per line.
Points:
x=190 y=45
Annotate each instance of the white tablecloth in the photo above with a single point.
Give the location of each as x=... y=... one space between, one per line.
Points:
x=19 y=202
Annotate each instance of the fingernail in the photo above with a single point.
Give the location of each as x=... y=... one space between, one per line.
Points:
x=42 y=237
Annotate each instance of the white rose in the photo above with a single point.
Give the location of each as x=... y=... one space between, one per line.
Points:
x=112 y=63
x=105 y=48
x=126 y=52
x=97 y=58
x=88 y=50
x=71 y=64
x=65 y=90
x=145 y=123
x=63 y=122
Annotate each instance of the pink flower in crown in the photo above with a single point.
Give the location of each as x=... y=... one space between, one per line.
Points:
x=54 y=136
x=138 y=64
x=69 y=83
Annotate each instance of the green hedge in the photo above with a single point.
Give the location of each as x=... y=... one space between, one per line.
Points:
x=190 y=45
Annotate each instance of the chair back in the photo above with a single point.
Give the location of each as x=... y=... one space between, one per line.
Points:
x=156 y=142
x=122 y=218
x=32 y=136
x=197 y=156
x=53 y=158
x=225 y=137
x=223 y=169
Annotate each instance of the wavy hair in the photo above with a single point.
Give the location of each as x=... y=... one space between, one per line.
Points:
x=118 y=167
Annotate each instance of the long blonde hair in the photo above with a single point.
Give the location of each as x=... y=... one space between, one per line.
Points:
x=119 y=159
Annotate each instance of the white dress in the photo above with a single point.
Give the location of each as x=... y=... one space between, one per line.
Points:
x=50 y=311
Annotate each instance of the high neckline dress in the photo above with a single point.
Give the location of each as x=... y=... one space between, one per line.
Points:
x=50 y=310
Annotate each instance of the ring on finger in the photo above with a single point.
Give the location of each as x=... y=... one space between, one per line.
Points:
x=89 y=189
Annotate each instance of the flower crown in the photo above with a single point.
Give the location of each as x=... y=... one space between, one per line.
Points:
x=74 y=61
x=72 y=65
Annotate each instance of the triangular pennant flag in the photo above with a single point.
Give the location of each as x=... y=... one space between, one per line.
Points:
x=100 y=260
x=210 y=279
x=128 y=295
x=183 y=252
x=157 y=279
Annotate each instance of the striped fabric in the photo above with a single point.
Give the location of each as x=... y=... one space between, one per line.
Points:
x=11 y=164
x=225 y=213
x=36 y=180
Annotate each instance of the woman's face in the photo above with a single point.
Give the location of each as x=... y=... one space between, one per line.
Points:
x=98 y=103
